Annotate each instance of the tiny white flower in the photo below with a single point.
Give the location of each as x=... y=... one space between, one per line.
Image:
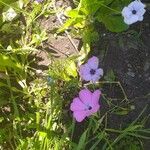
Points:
x=133 y=12
x=9 y=15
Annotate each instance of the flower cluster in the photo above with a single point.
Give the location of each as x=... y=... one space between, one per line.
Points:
x=88 y=102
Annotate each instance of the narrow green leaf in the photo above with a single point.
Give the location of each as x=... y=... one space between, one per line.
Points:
x=81 y=144
x=8 y=62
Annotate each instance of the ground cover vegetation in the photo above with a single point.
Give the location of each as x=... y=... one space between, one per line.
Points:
x=91 y=98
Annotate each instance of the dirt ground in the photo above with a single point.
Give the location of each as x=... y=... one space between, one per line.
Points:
x=128 y=55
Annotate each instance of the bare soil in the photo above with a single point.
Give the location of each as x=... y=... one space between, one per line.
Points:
x=128 y=55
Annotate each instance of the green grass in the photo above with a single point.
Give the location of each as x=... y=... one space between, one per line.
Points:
x=34 y=111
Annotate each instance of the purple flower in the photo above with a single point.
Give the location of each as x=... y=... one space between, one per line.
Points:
x=90 y=70
x=86 y=104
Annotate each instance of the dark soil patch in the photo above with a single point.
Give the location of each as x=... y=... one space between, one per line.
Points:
x=58 y=45
x=128 y=55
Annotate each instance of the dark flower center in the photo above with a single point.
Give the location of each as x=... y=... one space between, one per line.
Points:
x=89 y=108
x=92 y=71
x=134 y=12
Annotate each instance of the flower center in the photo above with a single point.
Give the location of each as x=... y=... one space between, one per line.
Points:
x=89 y=108
x=92 y=71
x=134 y=12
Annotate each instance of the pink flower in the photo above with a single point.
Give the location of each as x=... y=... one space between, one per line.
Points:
x=86 y=104
x=90 y=70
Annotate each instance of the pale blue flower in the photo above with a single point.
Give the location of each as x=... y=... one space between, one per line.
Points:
x=133 y=12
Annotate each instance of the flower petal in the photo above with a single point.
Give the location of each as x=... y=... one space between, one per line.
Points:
x=84 y=69
x=136 y=5
x=141 y=18
x=77 y=105
x=93 y=62
x=95 y=109
x=86 y=96
x=131 y=20
x=79 y=115
x=126 y=12
x=95 y=78
x=87 y=77
x=85 y=72
x=95 y=97
x=141 y=12
x=99 y=72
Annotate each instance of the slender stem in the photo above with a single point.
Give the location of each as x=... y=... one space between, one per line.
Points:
x=11 y=145
x=93 y=86
x=112 y=82
x=16 y=111
x=113 y=130
x=73 y=127
x=118 y=12
x=125 y=96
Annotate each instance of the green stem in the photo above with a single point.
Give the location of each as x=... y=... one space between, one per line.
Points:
x=16 y=111
x=113 y=82
x=113 y=130
x=118 y=12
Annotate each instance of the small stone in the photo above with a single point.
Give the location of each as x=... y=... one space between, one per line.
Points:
x=132 y=74
x=132 y=107
x=146 y=66
x=38 y=71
